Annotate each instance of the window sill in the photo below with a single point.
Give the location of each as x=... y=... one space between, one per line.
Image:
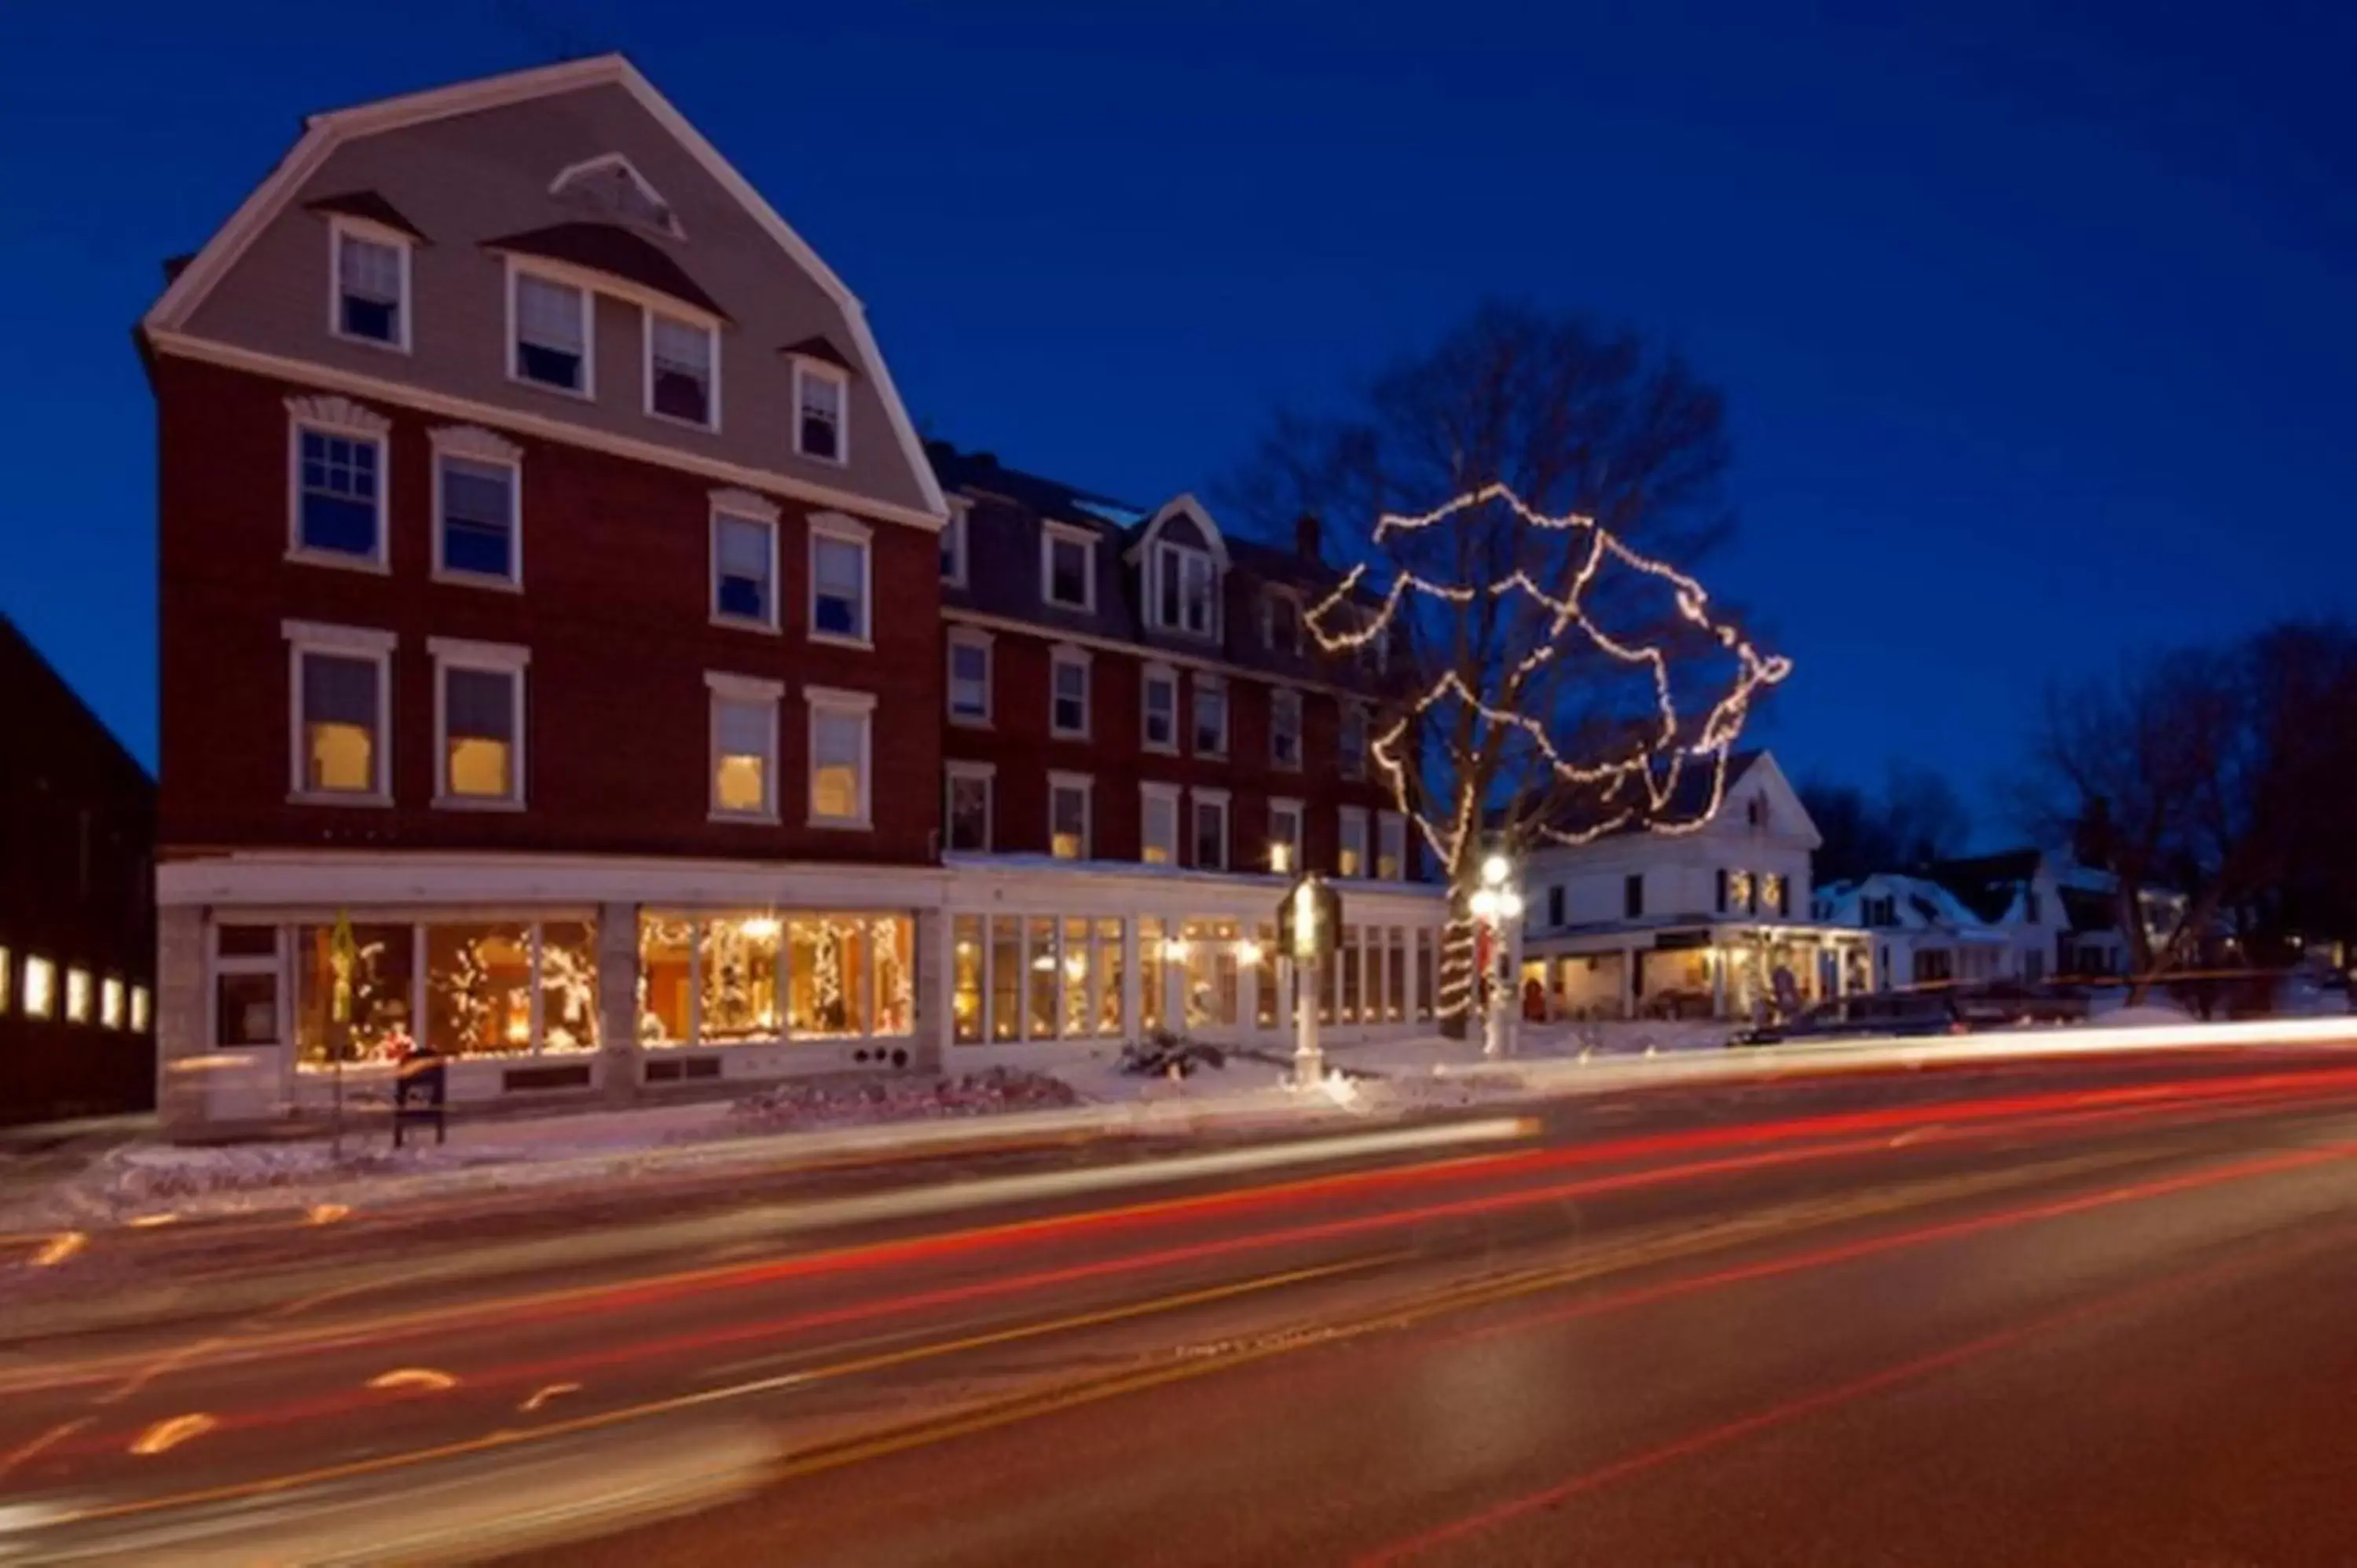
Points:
x=1079 y=735
x=1054 y=603
x=376 y=565
x=837 y=639
x=577 y=395
x=677 y=423
x=814 y=458
x=474 y=803
x=969 y=721
x=378 y=344
x=845 y=825
x=749 y=819
x=477 y=580
x=335 y=797
x=1282 y=766
x=1156 y=750
x=741 y=623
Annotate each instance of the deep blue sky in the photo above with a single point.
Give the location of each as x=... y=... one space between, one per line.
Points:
x=2037 y=325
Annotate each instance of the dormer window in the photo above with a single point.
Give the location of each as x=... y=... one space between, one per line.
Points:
x=820 y=394
x=371 y=286
x=551 y=333
x=1280 y=622
x=1068 y=567
x=681 y=357
x=1187 y=600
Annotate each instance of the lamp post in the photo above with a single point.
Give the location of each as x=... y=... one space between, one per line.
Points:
x=1498 y=905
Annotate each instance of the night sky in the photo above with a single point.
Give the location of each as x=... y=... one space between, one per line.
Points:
x=2037 y=328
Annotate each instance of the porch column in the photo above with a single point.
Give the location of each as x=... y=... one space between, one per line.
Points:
x=618 y=1002
x=1720 y=958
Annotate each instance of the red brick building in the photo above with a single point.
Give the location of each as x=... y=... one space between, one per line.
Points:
x=553 y=661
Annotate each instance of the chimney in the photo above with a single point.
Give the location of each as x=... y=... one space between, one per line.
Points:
x=1306 y=537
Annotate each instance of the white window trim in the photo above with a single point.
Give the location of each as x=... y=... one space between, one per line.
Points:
x=1299 y=840
x=1170 y=555
x=724 y=687
x=1148 y=793
x=1277 y=697
x=565 y=277
x=956 y=532
x=1062 y=656
x=1347 y=817
x=850 y=531
x=744 y=506
x=271 y=963
x=966 y=636
x=711 y=330
x=349 y=642
x=1218 y=798
x=476 y=444
x=342 y=227
x=1227 y=714
x=813 y=369
x=347 y=420
x=986 y=775
x=505 y=658
x=1050 y=532
x=1150 y=674
x=831 y=700
x=1086 y=784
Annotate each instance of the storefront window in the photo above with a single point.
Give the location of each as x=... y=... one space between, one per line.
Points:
x=479 y=990
x=1108 y=974
x=1005 y=978
x=1272 y=971
x=829 y=954
x=245 y=1010
x=568 y=987
x=666 y=980
x=965 y=979
x=384 y=966
x=737 y=964
x=1078 y=1012
x=891 y=939
x=1149 y=974
x=1040 y=1018
x=1211 y=973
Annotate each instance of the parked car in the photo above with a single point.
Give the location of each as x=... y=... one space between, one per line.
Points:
x=1998 y=1002
x=1905 y=1014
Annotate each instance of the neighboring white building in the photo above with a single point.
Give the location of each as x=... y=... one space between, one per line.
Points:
x=1922 y=933
x=1688 y=923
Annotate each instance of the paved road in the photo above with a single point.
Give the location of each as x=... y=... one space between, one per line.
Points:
x=2061 y=1314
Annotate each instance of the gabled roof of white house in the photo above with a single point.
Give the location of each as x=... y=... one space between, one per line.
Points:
x=1918 y=903
x=324 y=133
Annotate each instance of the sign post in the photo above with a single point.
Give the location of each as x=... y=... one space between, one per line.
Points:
x=1308 y=922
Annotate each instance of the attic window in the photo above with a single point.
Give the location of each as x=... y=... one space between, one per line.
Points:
x=611 y=189
x=1755 y=812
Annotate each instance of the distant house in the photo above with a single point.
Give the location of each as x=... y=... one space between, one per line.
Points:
x=77 y=914
x=1716 y=922
x=1922 y=933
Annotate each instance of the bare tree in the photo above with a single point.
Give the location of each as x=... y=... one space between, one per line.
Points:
x=1506 y=508
x=1924 y=816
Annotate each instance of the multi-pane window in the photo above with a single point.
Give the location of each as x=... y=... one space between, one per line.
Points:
x=839 y=757
x=77 y=996
x=1210 y=715
x=1067 y=816
x=1066 y=562
x=1068 y=713
x=744 y=570
x=110 y=1003
x=1391 y=846
x=1280 y=621
x=1353 y=741
x=679 y=370
x=744 y=748
x=340 y=707
x=839 y=587
x=1187 y=595
x=340 y=494
x=477 y=528
x=819 y=395
x=371 y=289
x=1285 y=727
x=1158 y=825
x=552 y=334
x=1284 y=836
x=40 y=987
x=482 y=707
x=969 y=680
x=1351 y=860
x=1210 y=830
x=968 y=809
x=1161 y=708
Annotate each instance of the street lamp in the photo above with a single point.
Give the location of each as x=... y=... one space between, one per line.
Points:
x=1498 y=905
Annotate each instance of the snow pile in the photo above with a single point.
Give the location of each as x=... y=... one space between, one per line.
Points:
x=870 y=1101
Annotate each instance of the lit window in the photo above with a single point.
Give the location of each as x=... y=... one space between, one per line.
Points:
x=744 y=745
x=1161 y=709
x=969 y=808
x=40 y=987
x=138 y=1009
x=77 y=996
x=679 y=356
x=1210 y=715
x=110 y=1003
x=1067 y=566
x=744 y=568
x=1070 y=698
x=1352 y=859
x=7 y=979
x=340 y=494
x=475 y=535
x=340 y=700
x=1210 y=830
x=819 y=395
x=552 y=334
x=1353 y=741
x=1391 y=846
x=481 y=722
x=371 y=288
x=838 y=584
x=839 y=757
x=1285 y=729
x=969 y=680
x=1284 y=849
x=1159 y=826
x=1067 y=816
